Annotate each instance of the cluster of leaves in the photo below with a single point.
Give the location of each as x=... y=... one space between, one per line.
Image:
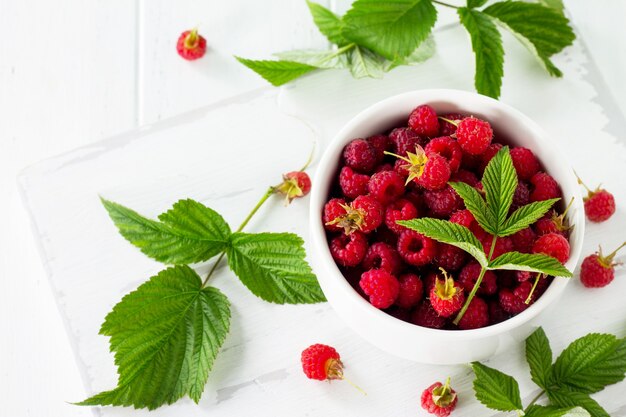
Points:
x=492 y=214
x=167 y=333
x=374 y=37
x=585 y=367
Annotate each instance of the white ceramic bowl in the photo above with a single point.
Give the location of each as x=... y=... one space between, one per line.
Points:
x=405 y=339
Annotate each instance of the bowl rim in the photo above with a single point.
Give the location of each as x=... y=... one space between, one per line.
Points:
x=327 y=166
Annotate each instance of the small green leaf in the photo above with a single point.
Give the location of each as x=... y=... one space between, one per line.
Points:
x=391 y=29
x=539 y=358
x=591 y=363
x=565 y=398
x=496 y=390
x=475 y=203
x=499 y=182
x=423 y=52
x=365 y=63
x=316 y=58
x=327 y=22
x=277 y=72
x=525 y=216
x=189 y=232
x=530 y=262
x=555 y=4
x=165 y=335
x=273 y=268
x=450 y=233
x=487 y=46
x=552 y=411
x=472 y=4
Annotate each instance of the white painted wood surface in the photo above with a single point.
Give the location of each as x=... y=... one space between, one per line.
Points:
x=99 y=67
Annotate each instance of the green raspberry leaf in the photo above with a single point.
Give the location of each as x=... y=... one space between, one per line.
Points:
x=499 y=182
x=554 y=4
x=525 y=216
x=316 y=58
x=450 y=233
x=472 y=4
x=328 y=23
x=552 y=411
x=277 y=72
x=475 y=203
x=591 y=363
x=534 y=262
x=273 y=268
x=539 y=358
x=189 y=232
x=391 y=29
x=365 y=63
x=496 y=390
x=487 y=46
x=565 y=398
x=543 y=30
x=422 y=53
x=165 y=335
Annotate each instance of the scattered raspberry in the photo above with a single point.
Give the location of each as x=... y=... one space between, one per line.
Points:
x=450 y=257
x=463 y=175
x=381 y=144
x=425 y=316
x=191 y=45
x=295 y=184
x=488 y=155
x=474 y=135
x=415 y=248
x=521 y=197
x=348 y=250
x=400 y=209
x=405 y=140
x=381 y=287
x=469 y=275
x=599 y=204
x=321 y=362
x=411 y=290
x=524 y=240
x=365 y=214
x=360 y=155
x=386 y=186
x=476 y=315
x=423 y=120
x=463 y=217
x=439 y=399
x=447 y=128
x=503 y=245
x=544 y=187
x=448 y=148
x=525 y=163
x=598 y=270
x=333 y=209
x=382 y=256
x=446 y=296
x=554 y=245
x=352 y=183
x=512 y=302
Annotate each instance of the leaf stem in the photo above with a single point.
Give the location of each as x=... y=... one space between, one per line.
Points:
x=336 y=53
x=445 y=4
x=534 y=400
x=532 y=290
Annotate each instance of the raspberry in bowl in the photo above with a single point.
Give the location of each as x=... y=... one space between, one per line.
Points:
x=410 y=294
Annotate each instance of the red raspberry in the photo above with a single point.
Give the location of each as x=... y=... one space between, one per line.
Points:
x=348 y=250
x=447 y=128
x=597 y=270
x=476 y=315
x=386 y=186
x=513 y=301
x=435 y=174
x=439 y=399
x=599 y=204
x=521 y=197
x=465 y=176
x=474 y=135
x=525 y=163
x=425 y=316
x=424 y=121
x=463 y=217
x=416 y=249
x=352 y=183
x=400 y=167
x=333 y=209
x=553 y=222
x=522 y=276
x=470 y=162
x=448 y=148
x=544 y=187
x=405 y=140
x=450 y=257
x=190 y=45
x=469 y=275
x=382 y=256
x=381 y=144
x=430 y=280
x=497 y=313
x=360 y=155
x=554 y=245
x=364 y=214
x=411 y=291
x=503 y=245
x=321 y=362
x=295 y=184
x=524 y=240
x=446 y=297
x=400 y=209
x=381 y=287
x=444 y=202
x=488 y=155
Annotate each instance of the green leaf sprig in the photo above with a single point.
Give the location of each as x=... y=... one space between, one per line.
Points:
x=491 y=212
x=374 y=37
x=586 y=366
x=167 y=333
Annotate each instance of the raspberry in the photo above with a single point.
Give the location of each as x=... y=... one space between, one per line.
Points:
x=597 y=270
x=382 y=256
x=465 y=176
x=333 y=209
x=191 y=45
x=512 y=302
x=400 y=209
x=525 y=163
x=446 y=296
x=364 y=214
x=522 y=276
x=476 y=315
x=544 y=187
x=405 y=140
x=411 y=291
x=444 y=202
x=474 y=135
x=554 y=245
x=360 y=155
x=430 y=280
x=431 y=172
x=447 y=128
x=352 y=183
x=381 y=144
x=448 y=148
x=469 y=275
x=381 y=287
x=496 y=312
x=386 y=186
x=416 y=249
x=463 y=217
x=503 y=245
x=321 y=362
x=488 y=155
x=599 y=204
x=400 y=167
x=425 y=316
x=470 y=162
x=439 y=399
x=348 y=250
x=521 y=196
x=553 y=222
x=423 y=120
x=524 y=240
x=295 y=184
x=450 y=257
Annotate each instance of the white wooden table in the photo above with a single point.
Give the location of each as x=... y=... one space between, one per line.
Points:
x=73 y=72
